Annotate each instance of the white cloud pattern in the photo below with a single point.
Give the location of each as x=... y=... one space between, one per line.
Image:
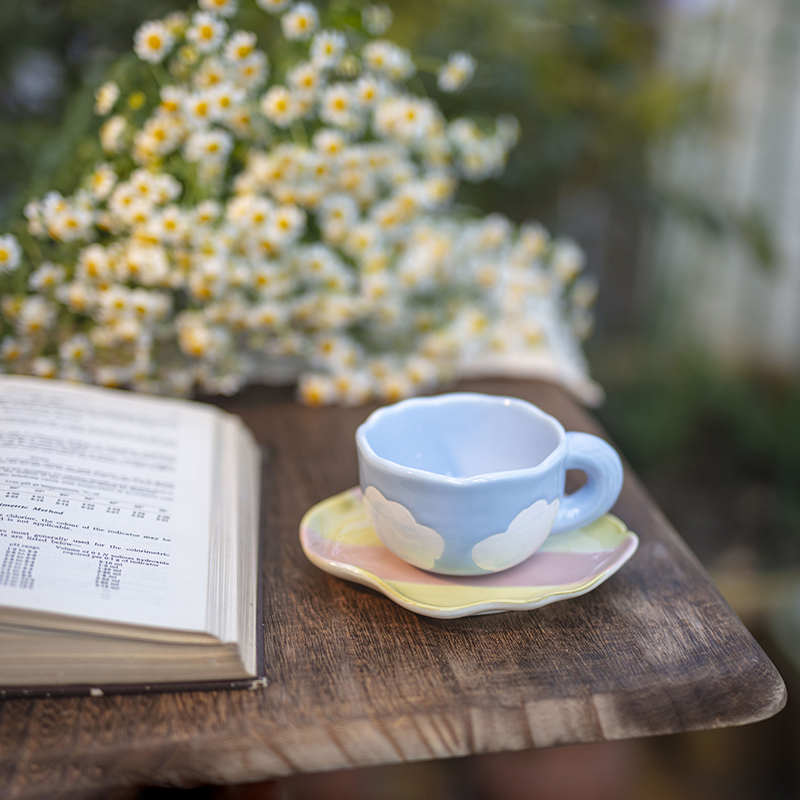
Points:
x=522 y=539
x=400 y=532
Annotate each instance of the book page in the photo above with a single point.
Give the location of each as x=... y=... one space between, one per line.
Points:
x=105 y=503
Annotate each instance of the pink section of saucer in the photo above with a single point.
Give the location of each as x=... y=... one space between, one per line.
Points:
x=541 y=569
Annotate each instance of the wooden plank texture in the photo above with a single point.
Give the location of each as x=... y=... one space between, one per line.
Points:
x=354 y=680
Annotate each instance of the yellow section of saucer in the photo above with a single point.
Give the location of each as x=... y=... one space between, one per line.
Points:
x=452 y=596
x=341 y=518
x=604 y=533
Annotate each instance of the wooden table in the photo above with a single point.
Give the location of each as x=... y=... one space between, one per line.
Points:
x=355 y=680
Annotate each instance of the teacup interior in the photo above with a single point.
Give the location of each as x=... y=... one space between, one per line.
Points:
x=463 y=438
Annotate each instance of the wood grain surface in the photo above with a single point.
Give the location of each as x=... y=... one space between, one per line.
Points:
x=355 y=680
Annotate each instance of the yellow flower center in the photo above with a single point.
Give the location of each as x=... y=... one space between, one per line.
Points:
x=154 y=41
x=312 y=396
x=137 y=100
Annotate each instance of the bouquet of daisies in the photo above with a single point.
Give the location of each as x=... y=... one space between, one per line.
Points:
x=255 y=221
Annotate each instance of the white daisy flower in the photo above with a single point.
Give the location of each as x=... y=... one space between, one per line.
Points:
x=46 y=277
x=206 y=32
x=338 y=106
x=199 y=109
x=152 y=42
x=300 y=21
x=377 y=19
x=105 y=98
x=207 y=212
x=353 y=388
x=327 y=48
x=76 y=348
x=456 y=73
x=177 y=22
x=362 y=238
x=240 y=121
x=44 y=367
x=568 y=260
x=287 y=223
x=10 y=253
x=212 y=144
x=316 y=389
x=35 y=315
x=212 y=72
x=160 y=134
x=112 y=134
x=102 y=181
x=274 y=6
x=369 y=90
x=329 y=142
x=12 y=349
x=305 y=78
x=33 y=214
x=111 y=376
x=224 y=99
x=279 y=106
x=94 y=264
x=240 y=45
x=166 y=187
x=389 y=59
x=170 y=225
x=72 y=224
x=76 y=296
x=172 y=99
x=225 y=8
x=252 y=72
x=338 y=211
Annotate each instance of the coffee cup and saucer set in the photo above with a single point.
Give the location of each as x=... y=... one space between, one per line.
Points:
x=461 y=509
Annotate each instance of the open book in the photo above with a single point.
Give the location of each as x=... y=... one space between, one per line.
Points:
x=128 y=539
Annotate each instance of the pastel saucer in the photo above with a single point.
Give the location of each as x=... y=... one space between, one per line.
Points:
x=336 y=536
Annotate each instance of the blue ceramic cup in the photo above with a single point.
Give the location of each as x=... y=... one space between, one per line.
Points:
x=466 y=484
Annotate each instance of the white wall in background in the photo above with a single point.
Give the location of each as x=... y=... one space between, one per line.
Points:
x=751 y=51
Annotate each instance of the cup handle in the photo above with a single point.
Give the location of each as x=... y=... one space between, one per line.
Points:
x=603 y=468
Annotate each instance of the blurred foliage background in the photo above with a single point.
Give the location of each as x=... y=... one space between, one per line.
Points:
x=720 y=451
x=718 y=446
x=584 y=77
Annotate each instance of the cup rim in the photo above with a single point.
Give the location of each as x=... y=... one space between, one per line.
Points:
x=365 y=449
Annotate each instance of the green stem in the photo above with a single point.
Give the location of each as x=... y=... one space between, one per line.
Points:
x=160 y=74
x=298 y=131
x=28 y=245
